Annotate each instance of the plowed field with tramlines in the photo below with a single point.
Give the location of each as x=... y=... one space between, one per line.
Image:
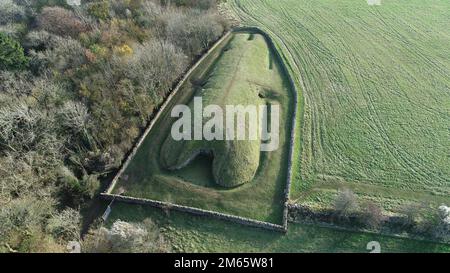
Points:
x=374 y=83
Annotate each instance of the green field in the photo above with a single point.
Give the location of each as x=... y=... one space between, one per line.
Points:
x=188 y=233
x=375 y=87
x=243 y=70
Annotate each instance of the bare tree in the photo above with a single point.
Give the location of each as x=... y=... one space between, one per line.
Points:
x=345 y=202
x=444 y=213
x=412 y=212
x=442 y=230
x=66 y=53
x=126 y=237
x=10 y=12
x=193 y=31
x=65 y=225
x=74 y=116
x=372 y=215
x=155 y=65
x=60 y=21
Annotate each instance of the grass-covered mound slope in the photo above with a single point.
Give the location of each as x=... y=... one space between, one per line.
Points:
x=194 y=185
x=240 y=77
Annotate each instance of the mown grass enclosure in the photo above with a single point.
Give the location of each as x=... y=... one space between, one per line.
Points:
x=240 y=70
x=375 y=87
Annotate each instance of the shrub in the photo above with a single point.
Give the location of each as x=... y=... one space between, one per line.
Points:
x=444 y=214
x=21 y=224
x=412 y=213
x=442 y=230
x=74 y=2
x=208 y=29
x=436 y=224
x=156 y=65
x=61 y=22
x=15 y=83
x=40 y=4
x=372 y=215
x=24 y=129
x=10 y=12
x=111 y=33
x=99 y=10
x=135 y=4
x=123 y=235
x=126 y=237
x=70 y=188
x=149 y=14
x=345 y=203
x=15 y=31
x=199 y=4
x=25 y=213
x=39 y=62
x=99 y=51
x=90 y=185
x=119 y=7
x=32 y=241
x=73 y=118
x=66 y=54
x=39 y=40
x=65 y=225
x=12 y=56
x=193 y=31
x=75 y=191
x=124 y=50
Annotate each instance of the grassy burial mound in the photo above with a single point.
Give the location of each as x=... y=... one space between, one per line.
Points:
x=243 y=70
x=241 y=77
x=375 y=84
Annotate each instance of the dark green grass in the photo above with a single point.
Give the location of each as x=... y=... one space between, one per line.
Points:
x=262 y=198
x=187 y=233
